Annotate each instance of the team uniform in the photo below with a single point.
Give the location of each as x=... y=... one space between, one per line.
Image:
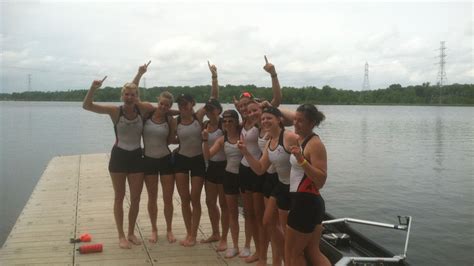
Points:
x=249 y=180
x=189 y=156
x=307 y=205
x=270 y=176
x=231 y=178
x=216 y=166
x=126 y=154
x=280 y=158
x=157 y=155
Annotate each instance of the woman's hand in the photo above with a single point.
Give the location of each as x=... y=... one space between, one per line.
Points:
x=97 y=83
x=269 y=67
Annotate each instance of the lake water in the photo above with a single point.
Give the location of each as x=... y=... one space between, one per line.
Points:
x=384 y=161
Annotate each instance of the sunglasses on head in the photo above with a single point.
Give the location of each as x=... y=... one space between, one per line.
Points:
x=246 y=94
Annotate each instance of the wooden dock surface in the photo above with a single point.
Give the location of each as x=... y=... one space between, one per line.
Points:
x=75 y=196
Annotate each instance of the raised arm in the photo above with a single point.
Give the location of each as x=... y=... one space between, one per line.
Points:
x=270 y=68
x=215 y=85
x=141 y=70
x=288 y=117
x=89 y=105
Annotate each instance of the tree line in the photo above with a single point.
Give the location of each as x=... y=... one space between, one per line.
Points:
x=425 y=94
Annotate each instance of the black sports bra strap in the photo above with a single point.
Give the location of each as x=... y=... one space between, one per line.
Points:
x=226 y=139
x=303 y=145
x=280 y=139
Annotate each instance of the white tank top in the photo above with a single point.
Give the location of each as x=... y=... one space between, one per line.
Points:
x=251 y=141
x=212 y=138
x=233 y=156
x=262 y=142
x=190 y=140
x=128 y=133
x=280 y=158
x=155 y=139
x=296 y=174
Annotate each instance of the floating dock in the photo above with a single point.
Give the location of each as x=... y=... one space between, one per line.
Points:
x=75 y=196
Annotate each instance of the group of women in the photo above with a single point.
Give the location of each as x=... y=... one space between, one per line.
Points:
x=246 y=152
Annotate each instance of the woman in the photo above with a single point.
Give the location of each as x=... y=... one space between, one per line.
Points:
x=189 y=159
x=126 y=156
x=158 y=132
x=308 y=176
x=276 y=154
x=230 y=181
x=252 y=184
x=216 y=170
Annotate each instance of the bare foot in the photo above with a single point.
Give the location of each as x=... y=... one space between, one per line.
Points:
x=123 y=243
x=252 y=258
x=154 y=237
x=213 y=238
x=171 y=238
x=134 y=240
x=184 y=241
x=222 y=245
x=244 y=253
x=191 y=241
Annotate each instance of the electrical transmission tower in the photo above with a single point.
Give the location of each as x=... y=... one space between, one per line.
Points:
x=366 y=85
x=441 y=72
x=29 y=82
x=144 y=83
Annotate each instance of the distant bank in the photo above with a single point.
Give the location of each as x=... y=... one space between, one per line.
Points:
x=395 y=94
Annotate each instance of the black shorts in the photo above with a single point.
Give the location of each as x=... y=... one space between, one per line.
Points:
x=215 y=172
x=269 y=187
x=123 y=161
x=196 y=165
x=154 y=166
x=282 y=195
x=307 y=211
x=231 y=183
x=247 y=178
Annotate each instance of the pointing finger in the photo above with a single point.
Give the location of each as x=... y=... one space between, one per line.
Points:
x=103 y=79
x=149 y=62
x=208 y=63
x=266 y=60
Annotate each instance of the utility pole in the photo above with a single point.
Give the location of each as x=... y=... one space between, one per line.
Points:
x=441 y=71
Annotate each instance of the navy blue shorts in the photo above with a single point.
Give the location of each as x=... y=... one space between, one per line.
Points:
x=154 y=166
x=307 y=210
x=215 y=171
x=123 y=161
x=183 y=164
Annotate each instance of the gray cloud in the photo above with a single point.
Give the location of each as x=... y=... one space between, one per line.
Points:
x=66 y=45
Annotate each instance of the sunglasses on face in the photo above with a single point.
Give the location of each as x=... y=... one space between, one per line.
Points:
x=227 y=121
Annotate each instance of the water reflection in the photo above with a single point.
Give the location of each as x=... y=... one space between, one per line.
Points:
x=439 y=138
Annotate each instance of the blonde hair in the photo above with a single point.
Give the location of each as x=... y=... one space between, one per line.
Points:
x=167 y=95
x=130 y=86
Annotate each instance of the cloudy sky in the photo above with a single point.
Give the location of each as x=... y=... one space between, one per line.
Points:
x=66 y=44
